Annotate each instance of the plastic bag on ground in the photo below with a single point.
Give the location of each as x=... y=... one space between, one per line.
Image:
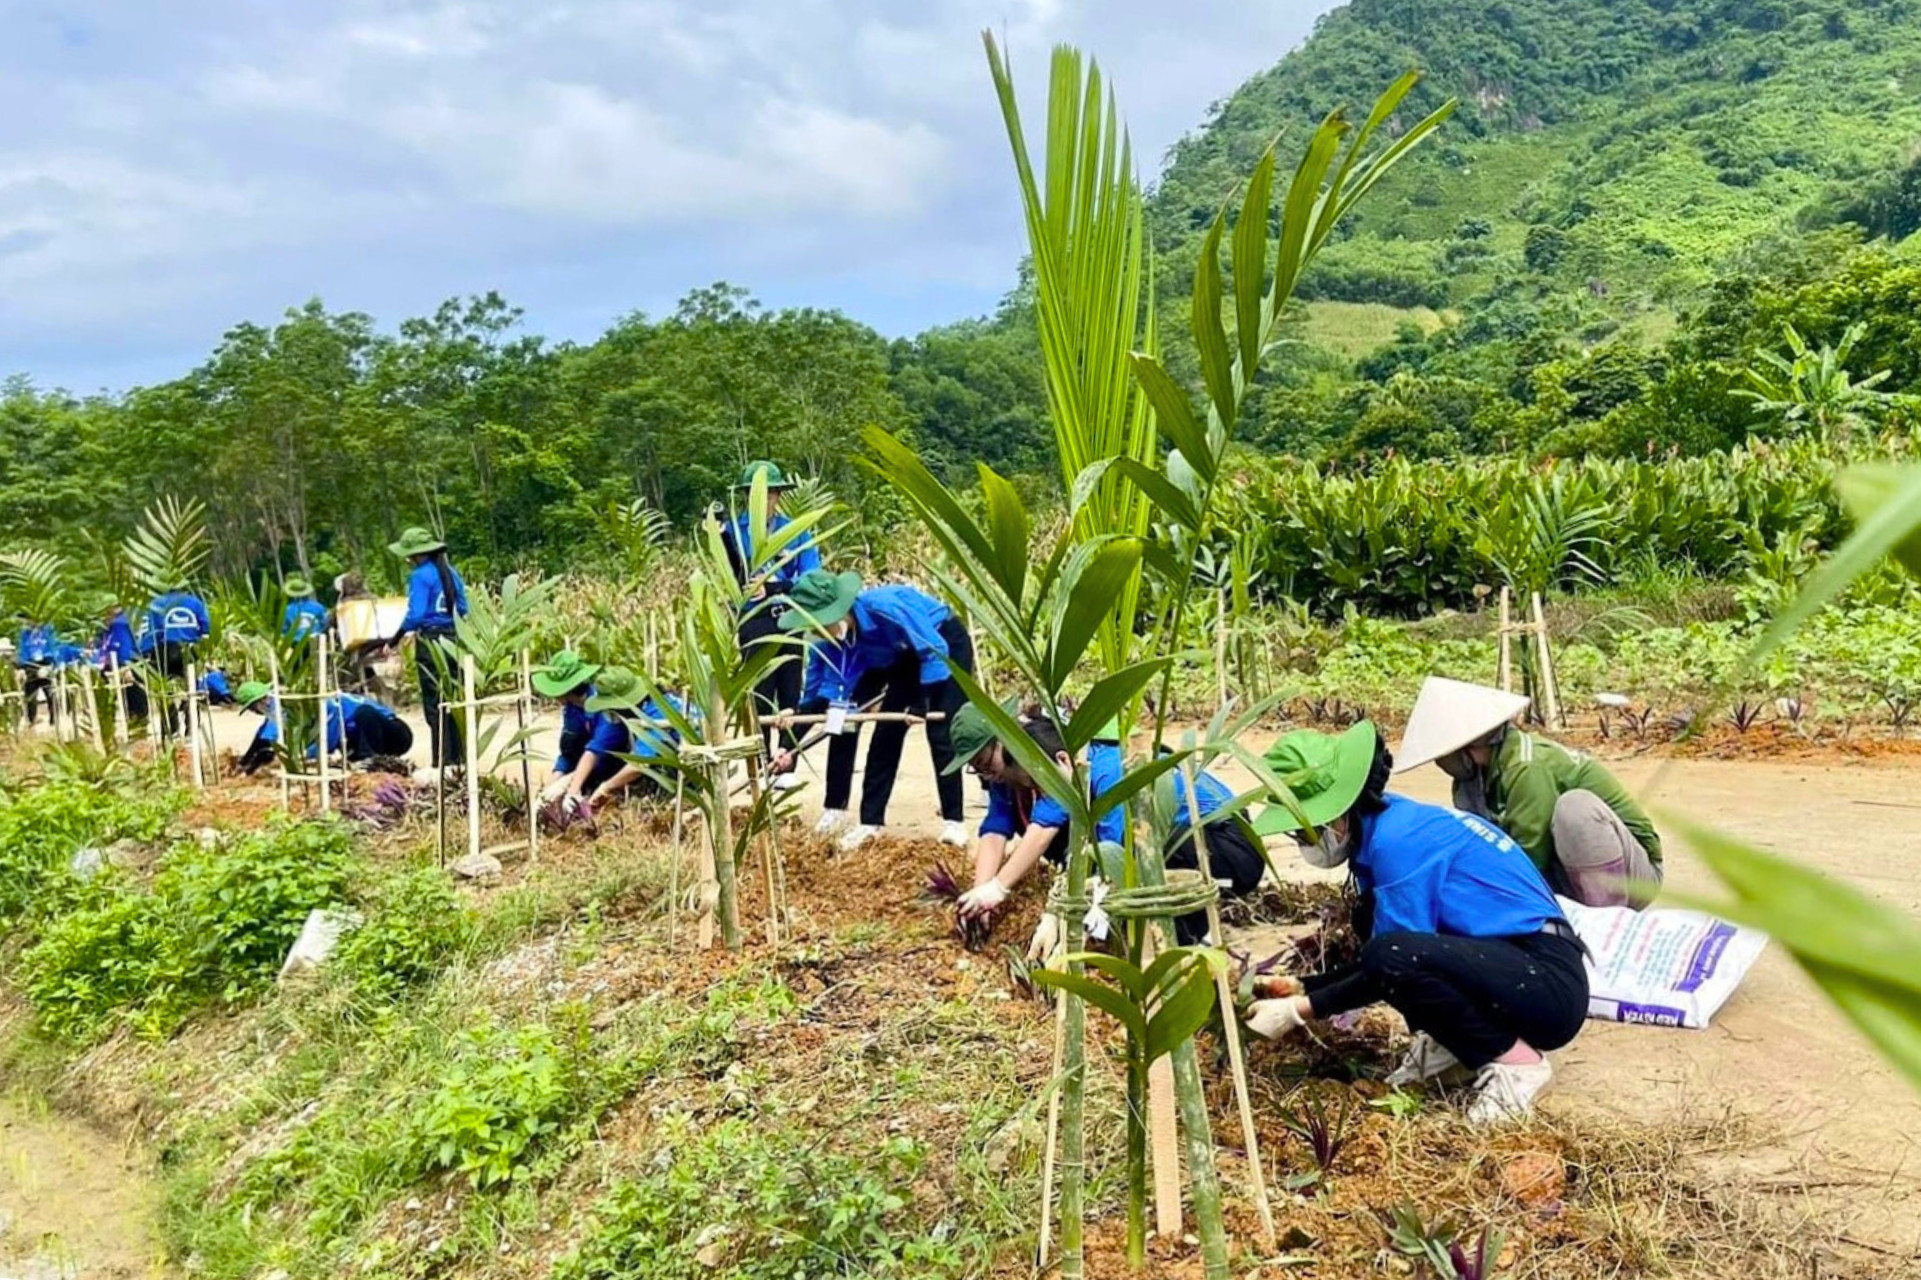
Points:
x=1662 y=967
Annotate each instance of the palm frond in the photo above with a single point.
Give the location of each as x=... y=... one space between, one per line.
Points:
x=170 y=545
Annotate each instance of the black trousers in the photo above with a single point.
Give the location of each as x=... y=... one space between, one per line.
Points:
x=899 y=689
x=1477 y=996
x=36 y=687
x=443 y=730
x=573 y=746
x=373 y=736
x=259 y=753
x=779 y=689
x=171 y=660
x=1231 y=856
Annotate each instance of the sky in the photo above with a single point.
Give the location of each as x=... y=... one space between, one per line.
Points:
x=170 y=170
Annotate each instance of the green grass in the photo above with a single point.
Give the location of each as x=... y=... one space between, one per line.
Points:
x=1353 y=329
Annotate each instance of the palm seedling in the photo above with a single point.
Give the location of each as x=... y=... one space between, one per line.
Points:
x=1437 y=1247
x=1324 y=1127
x=1107 y=392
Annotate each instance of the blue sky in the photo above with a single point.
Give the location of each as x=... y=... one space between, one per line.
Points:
x=167 y=170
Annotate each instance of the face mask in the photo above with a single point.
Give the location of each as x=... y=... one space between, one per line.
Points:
x=1457 y=765
x=1328 y=852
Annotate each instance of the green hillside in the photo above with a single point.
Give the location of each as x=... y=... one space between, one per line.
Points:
x=1610 y=154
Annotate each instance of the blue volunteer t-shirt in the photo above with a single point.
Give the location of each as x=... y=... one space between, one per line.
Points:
x=304 y=617
x=802 y=555
x=605 y=735
x=178 y=617
x=428 y=608
x=36 y=646
x=1437 y=870
x=893 y=623
x=1105 y=767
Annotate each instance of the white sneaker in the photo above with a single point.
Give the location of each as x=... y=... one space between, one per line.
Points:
x=426 y=775
x=955 y=834
x=1425 y=1059
x=858 y=836
x=830 y=821
x=789 y=782
x=1503 y=1092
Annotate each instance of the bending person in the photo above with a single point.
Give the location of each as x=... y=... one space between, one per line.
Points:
x=435 y=597
x=780 y=689
x=891 y=642
x=1466 y=942
x=364 y=729
x=1025 y=825
x=1579 y=825
x=619 y=695
x=591 y=742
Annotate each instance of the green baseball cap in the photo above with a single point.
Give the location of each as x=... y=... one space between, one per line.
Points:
x=1325 y=771
x=297 y=586
x=969 y=732
x=819 y=598
x=776 y=478
x=249 y=693
x=617 y=689
x=563 y=673
x=416 y=541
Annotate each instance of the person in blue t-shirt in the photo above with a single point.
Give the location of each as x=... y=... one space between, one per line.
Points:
x=115 y=644
x=894 y=643
x=591 y=743
x=177 y=620
x=1024 y=825
x=304 y=616
x=435 y=597
x=1465 y=940
x=620 y=696
x=369 y=730
x=35 y=654
x=780 y=689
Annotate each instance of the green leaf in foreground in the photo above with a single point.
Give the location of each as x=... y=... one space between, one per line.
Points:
x=1864 y=955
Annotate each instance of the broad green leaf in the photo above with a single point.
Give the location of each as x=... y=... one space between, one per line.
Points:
x=1124 y=975
x=1099 y=994
x=1133 y=780
x=1183 y=1011
x=1865 y=955
x=1250 y=262
x=1299 y=211
x=1007 y=522
x=1210 y=338
x=1173 y=413
x=1026 y=752
x=1109 y=698
x=1888 y=500
x=1095 y=575
x=1869 y=486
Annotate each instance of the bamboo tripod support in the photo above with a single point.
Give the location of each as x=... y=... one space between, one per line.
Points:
x=1536 y=629
x=471 y=706
x=327 y=772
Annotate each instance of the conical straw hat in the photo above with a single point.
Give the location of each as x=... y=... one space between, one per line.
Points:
x=1448 y=715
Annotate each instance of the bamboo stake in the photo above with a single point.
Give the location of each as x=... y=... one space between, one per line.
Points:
x=867 y=717
x=1220 y=644
x=1547 y=664
x=673 y=872
x=118 y=677
x=279 y=728
x=1163 y=1129
x=1506 y=662
x=93 y=708
x=471 y=741
x=193 y=726
x=57 y=704
x=523 y=713
x=762 y=847
x=1230 y=1022
x=321 y=749
x=1053 y=1127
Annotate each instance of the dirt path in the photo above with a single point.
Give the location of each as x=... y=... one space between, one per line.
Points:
x=72 y=1203
x=1846 y=1131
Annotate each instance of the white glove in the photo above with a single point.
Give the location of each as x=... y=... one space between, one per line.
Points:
x=1047 y=937
x=1096 y=921
x=983 y=898
x=554 y=790
x=1272 y=1019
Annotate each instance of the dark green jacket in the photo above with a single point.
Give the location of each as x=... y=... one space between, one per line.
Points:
x=1529 y=774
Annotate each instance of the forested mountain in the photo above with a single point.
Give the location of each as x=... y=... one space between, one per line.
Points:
x=1618 y=149
x=1639 y=206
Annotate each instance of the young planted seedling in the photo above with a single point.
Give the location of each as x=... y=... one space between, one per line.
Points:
x=943 y=887
x=1325 y=1128
x=1437 y=1246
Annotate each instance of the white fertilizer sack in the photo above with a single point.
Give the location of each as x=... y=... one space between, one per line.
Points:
x=1663 y=967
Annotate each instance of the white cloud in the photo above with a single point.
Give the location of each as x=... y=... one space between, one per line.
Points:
x=178 y=168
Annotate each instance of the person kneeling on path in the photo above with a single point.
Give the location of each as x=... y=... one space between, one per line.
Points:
x=891 y=642
x=1036 y=824
x=591 y=742
x=619 y=695
x=1465 y=940
x=367 y=729
x=1579 y=825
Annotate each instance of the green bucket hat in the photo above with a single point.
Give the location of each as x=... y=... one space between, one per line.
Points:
x=249 y=693
x=1325 y=771
x=776 y=478
x=820 y=597
x=617 y=689
x=969 y=732
x=416 y=542
x=563 y=673
x=298 y=587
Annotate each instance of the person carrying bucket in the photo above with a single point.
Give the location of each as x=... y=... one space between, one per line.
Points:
x=1578 y=824
x=1461 y=935
x=895 y=643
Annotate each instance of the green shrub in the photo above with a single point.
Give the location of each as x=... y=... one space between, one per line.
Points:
x=42 y=828
x=411 y=922
x=764 y=1206
x=94 y=961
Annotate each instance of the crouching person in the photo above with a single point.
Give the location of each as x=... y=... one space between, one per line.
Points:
x=362 y=728
x=620 y=695
x=1466 y=941
x=591 y=742
x=1578 y=824
x=1024 y=825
